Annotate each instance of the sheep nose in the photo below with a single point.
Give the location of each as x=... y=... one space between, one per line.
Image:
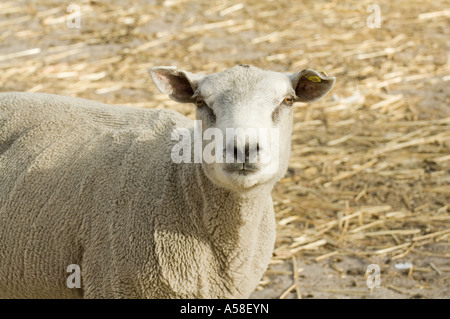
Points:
x=248 y=154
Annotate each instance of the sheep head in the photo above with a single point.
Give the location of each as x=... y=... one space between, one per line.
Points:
x=246 y=114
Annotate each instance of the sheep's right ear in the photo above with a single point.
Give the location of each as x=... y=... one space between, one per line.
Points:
x=180 y=85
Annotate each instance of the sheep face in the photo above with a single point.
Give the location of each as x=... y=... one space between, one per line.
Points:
x=244 y=118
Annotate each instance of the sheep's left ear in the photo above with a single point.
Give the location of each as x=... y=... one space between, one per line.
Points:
x=179 y=85
x=310 y=85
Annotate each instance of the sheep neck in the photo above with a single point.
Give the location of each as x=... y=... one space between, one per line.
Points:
x=231 y=211
x=241 y=229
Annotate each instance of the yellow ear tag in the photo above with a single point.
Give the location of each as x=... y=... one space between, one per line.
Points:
x=314 y=78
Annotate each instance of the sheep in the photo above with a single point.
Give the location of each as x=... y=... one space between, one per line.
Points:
x=94 y=185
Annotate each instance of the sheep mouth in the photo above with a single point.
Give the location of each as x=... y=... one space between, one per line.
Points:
x=242 y=168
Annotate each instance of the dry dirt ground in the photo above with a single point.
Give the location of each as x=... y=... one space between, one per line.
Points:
x=369 y=178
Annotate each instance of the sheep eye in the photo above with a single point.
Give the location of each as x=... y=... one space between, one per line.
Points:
x=199 y=102
x=288 y=100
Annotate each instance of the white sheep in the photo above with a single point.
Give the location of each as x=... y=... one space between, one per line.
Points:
x=95 y=185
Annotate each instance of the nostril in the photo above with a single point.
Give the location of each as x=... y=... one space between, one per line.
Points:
x=252 y=153
x=247 y=151
x=238 y=155
x=246 y=154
